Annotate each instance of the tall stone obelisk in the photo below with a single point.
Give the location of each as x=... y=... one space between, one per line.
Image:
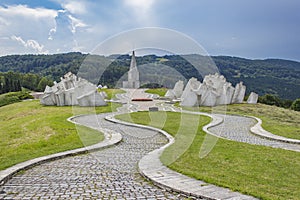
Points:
x=133 y=75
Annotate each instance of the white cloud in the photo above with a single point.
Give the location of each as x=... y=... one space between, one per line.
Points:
x=142 y=10
x=3 y=22
x=20 y=21
x=76 y=23
x=29 y=44
x=51 y=33
x=81 y=25
x=65 y=29
x=54 y=29
x=75 y=7
x=143 y=5
x=63 y=26
x=86 y=23
x=24 y=10
x=24 y=21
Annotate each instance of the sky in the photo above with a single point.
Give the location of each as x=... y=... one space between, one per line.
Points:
x=255 y=29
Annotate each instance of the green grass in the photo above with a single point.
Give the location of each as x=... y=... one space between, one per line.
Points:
x=29 y=130
x=279 y=121
x=111 y=93
x=159 y=91
x=263 y=172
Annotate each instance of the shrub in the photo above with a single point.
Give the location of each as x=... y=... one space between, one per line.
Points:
x=270 y=99
x=13 y=97
x=296 y=105
x=5 y=100
x=151 y=85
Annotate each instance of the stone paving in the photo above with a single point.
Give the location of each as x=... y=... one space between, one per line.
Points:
x=152 y=168
x=107 y=174
x=130 y=106
x=237 y=128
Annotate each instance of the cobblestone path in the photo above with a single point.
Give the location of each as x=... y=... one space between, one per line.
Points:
x=237 y=128
x=106 y=174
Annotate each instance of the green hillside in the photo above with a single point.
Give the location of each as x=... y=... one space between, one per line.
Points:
x=273 y=76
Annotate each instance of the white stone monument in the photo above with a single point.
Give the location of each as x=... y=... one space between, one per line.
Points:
x=189 y=96
x=239 y=93
x=214 y=90
x=252 y=99
x=133 y=75
x=176 y=92
x=92 y=98
x=72 y=90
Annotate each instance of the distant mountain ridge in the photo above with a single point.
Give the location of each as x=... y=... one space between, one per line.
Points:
x=273 y=76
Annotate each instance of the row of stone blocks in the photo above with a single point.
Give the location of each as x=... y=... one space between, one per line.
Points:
x=214 y=90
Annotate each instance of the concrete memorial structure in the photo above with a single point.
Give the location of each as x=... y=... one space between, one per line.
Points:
x=133 y=75
x=189 y=97
x=239 y=93
x=72 y=90
x=176 y=92
x=214 y=90
x=252 y=99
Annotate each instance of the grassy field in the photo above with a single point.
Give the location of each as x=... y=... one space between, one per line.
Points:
x=29 y=130
x=159 y=91
x=263 y=172
x=279 y=121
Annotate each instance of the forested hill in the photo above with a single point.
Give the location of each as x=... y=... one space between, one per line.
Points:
x=273 y=76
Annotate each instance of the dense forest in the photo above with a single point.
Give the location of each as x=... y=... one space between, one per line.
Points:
x=269 y=76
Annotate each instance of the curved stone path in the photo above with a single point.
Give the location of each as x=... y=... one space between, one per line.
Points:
x=237 y=128
x=152 y=168
x=107 y=174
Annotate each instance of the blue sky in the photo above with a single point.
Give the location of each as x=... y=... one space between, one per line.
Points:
x=250 y=29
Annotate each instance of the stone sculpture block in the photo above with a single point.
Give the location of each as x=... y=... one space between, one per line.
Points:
x=176 y=92
x=239 y=93
x=252 y=99
x=214 y=90
x=72 y=90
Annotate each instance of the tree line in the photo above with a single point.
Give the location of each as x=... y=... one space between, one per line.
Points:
x=15 y=81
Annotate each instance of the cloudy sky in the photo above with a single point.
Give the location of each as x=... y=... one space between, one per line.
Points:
x=251 y=29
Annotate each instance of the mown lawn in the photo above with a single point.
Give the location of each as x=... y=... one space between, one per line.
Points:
x=159 y=91
x=29 y=130
x=263 y=172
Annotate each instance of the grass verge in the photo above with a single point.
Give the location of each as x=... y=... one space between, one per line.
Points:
x=263 y=172
x=159 y=91
x=29 y=130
